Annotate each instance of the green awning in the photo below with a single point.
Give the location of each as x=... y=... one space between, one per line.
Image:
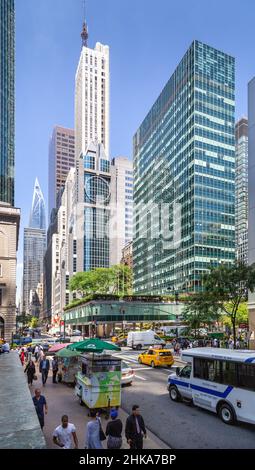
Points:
x=93 y=345
x=67 y=353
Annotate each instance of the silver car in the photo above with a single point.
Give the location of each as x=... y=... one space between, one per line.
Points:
x=127 y=374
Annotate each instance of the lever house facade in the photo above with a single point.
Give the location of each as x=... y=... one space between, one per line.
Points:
x=184 y=176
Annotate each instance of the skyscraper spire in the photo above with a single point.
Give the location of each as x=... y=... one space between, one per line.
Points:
x=84 y=33
x=37 y=215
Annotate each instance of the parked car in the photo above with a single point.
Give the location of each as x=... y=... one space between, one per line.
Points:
x=127 y=374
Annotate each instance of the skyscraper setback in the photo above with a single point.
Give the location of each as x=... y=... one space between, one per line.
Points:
x=184 y=176
x=61 y=159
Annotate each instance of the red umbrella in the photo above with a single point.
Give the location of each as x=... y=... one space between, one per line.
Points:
x=58 y=347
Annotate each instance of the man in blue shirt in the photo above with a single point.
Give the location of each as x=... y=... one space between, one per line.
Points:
x=40 y=406
x=44 y=367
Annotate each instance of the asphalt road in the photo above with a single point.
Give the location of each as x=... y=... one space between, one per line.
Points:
x=179 y=425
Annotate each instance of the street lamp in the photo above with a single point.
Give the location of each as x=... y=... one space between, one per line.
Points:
x=122 y=310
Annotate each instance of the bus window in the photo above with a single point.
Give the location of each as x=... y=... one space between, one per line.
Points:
x=246 y=376
x=229 y=373
x=207 y=369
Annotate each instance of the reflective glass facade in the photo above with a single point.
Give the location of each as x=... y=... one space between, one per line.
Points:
x=184 y=176
x=7 y=44
x=96 y=200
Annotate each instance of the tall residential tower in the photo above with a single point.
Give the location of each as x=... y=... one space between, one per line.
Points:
x=184 y=176
x=241 y=188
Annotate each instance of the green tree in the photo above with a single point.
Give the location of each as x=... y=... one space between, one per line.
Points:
x=225 y=289
x=116 y=279
x=34 y=322
x=199 y=312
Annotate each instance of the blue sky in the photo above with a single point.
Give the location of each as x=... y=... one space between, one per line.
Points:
x=147 y=39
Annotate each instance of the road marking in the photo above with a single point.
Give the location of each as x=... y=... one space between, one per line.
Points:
x=141 y=378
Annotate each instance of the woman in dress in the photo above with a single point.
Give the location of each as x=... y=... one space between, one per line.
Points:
x=93 y=432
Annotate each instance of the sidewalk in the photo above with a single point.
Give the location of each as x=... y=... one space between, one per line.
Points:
x=62 y=400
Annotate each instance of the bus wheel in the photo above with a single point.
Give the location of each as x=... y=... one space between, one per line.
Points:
x=138 y=347
x=226 y=414
x=174 y=394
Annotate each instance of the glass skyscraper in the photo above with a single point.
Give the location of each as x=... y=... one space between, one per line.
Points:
x=38 y=211
x=184 y=176
x=7 y=44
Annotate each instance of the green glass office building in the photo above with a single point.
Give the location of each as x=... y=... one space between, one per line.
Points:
x=7 y=44
x=184 y=176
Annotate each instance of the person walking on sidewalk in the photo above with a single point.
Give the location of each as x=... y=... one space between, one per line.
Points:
x=36 y=353
x=30 y=370
x=54 y=369
x=93 y=432
x=135 y=429
x=22 y=356
x=41 y=406
x=44 y=367
x=63 y=434
x=113 y=431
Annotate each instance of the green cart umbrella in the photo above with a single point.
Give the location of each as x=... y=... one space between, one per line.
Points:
x=67 y=353
x=93 y=345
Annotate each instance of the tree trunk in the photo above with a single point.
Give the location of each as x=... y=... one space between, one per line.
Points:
x=233 y=320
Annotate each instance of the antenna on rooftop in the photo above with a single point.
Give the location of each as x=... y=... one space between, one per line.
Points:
x=84 y=33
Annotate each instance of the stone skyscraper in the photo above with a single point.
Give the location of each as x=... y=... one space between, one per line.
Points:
x=61 y=159
x=241 y=132
x=92 y=84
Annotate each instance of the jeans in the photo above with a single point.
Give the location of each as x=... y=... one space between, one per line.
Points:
x=44 y=376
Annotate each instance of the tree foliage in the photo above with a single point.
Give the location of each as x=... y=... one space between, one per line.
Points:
x=116 y=279
x=225 y=290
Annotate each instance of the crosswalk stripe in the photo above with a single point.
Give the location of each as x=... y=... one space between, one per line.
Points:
x=139 y=377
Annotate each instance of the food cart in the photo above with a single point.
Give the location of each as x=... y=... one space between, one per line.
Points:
x=99 y=381
x=68 y=365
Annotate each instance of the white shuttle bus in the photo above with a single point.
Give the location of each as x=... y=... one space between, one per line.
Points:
x=219 y=380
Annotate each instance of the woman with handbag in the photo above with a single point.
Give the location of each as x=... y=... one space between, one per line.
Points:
x=95 y=433
x=30 y=370
x=113 y=431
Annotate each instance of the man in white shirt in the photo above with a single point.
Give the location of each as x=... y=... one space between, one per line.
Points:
x=63 y=434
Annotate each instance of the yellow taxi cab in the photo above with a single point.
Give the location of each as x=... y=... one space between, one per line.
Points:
x=119 y=337
x=156 y=357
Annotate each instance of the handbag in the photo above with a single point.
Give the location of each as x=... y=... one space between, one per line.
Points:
x=102 y=435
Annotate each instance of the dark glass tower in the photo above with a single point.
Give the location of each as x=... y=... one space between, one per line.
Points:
x=7 y=45
x=184 y=176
